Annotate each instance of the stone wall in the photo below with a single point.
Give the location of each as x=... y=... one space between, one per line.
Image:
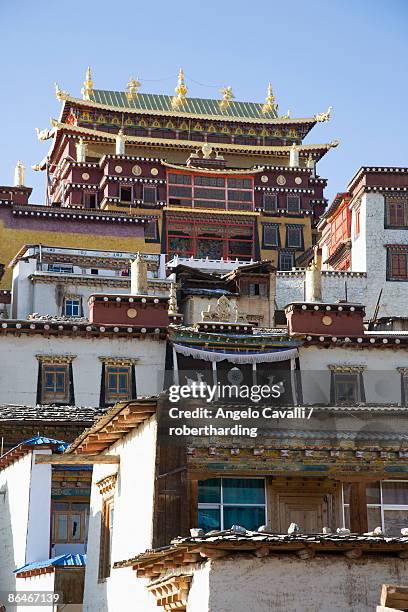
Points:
x=329 y=583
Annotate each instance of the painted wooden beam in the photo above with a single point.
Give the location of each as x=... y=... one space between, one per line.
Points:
x=77 y=459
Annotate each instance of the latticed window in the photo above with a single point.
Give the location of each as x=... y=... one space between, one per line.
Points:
x=72 y=307
x=293 y=203
x=118 y=383
x=396 y=212
x=397 y=263
x=271 y=235
x=294 y=236
x=55 y=383
x=270 y=202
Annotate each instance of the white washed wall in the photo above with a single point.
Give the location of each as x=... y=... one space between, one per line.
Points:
x=42 y=582
x=133 y=523
x=283 y=583
x=382 y=381
x=15 y=480
x=19 y=371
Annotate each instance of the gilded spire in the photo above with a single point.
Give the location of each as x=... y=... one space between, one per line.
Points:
x=173 y=308
x=270 y=105
x=87 y=89
x=181 y=91
x=132 y=89
x=227 y=97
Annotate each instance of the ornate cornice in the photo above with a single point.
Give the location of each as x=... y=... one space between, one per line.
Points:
x=63 y=359
x=107 y=485
x=119 y=361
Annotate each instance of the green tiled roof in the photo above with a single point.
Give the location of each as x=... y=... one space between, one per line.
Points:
x=194 y=106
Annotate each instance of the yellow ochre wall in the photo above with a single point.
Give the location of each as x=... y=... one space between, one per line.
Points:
x=11 y=241
x=272 y=254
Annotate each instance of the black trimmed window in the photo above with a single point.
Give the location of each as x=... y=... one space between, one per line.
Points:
x=149 y=194
x=293 y=203
x=286 y=260
x=294 y=236
x=125 y=193
x=396 y=212
x=118 y=381
x=90 y=199
x=270 y=237
x=151 y=231
x=257 y=289
x=397 y=263
x=270 y=202
x=347 y=385
x=55 y=384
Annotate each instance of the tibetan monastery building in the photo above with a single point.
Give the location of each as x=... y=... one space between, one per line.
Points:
x=192 y=177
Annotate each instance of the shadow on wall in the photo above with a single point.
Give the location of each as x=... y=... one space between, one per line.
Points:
x=7 y=552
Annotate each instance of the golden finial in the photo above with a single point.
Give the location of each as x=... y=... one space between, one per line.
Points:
x=87 y=89
x=324 y=116
x=227 y=96
x=132 y=89
x=173 y=308
x=181 y=91
x=270 y=105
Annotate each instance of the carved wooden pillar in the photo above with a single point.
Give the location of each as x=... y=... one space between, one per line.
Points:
x=358 y=507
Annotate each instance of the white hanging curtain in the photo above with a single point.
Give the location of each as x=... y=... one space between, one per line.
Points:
x=236 y=357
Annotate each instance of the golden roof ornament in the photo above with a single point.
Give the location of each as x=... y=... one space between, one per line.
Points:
x=87 y=89
x=181 y=91
x=132 y=89
x=173 y=308
x=324 y=116
x=227 y=97
x=270 y=105
x=60 y=94
x=19 y=174
x=287 y=116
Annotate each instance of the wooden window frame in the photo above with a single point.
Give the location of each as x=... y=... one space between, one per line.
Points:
x=266 y=244
x=293 y=196
x=85 y=200
x=396 y=213
x=401 y=254
x=71 y=511
x=130 y=189
x=54 y=397
x=299 y=229
x=273 y=196
x=286 y=254
x=146 y=188
x=112 y=398
x=105 y=544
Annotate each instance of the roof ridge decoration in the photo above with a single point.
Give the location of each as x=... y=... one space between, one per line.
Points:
x=181 y=91
x=227 y=97
x=320 y=117
x=132 y=89
x=270 y=105
x=87 y=89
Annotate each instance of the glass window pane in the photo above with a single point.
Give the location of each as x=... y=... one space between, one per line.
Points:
x=243 y=491
x=395 y=493
x=394 y=521
x=346 y=493
x=209 y=491
x=250 y=518
x=62 y=527
x=373 y=493
x=75 y=527
x=373 y=518
x=209 y=519
x=347 y=517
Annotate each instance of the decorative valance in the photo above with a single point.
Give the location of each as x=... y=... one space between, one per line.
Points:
x=261 y=357
x=55 y=359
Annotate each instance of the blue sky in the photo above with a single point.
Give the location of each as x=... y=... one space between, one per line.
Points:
x=351 y=54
